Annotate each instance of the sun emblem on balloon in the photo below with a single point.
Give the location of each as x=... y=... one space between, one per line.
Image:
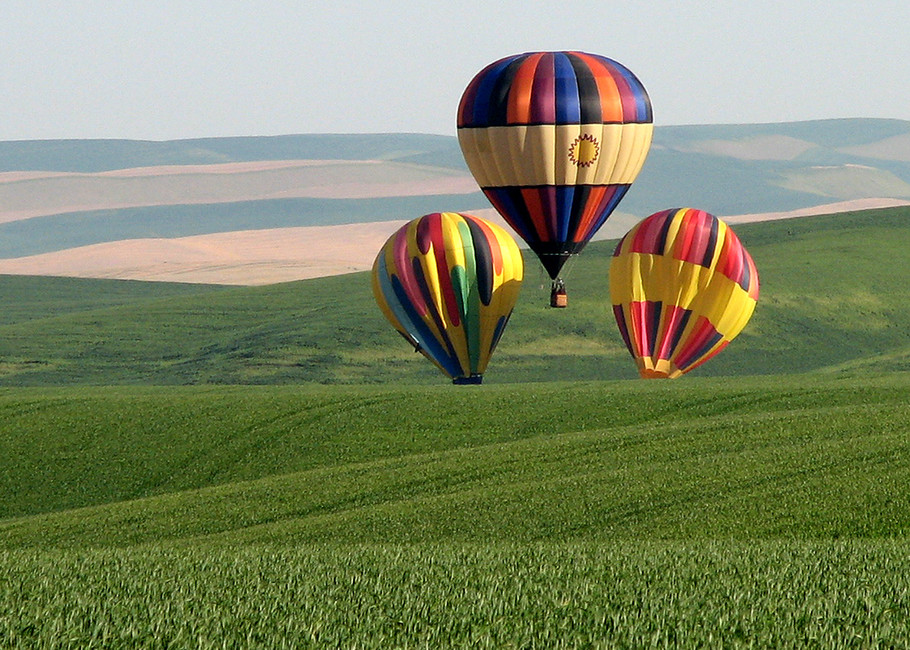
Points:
x=584 y=150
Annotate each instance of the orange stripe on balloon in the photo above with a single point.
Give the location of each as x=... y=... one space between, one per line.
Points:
x=519 y=103
x=610 y=98
x=640 y=329
x=591 y=211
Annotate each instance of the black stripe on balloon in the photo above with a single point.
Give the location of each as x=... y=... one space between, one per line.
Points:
x=588 y=93
x=499 y=96
x=483 y=262
x=703 y=350
x=522 y=214
x=506 y=207
x=680 y=328
x=620 y=316
x=654 y=311
x=500 y=328
x=745 y=278
x=579 y=202
x=712 y=244
x=664 y=232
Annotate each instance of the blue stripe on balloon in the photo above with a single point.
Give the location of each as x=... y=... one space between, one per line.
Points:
x=390 y=297
x=480 y=112
x=642 y=101
x=568 y=107
x=503 y=200
x=565 y=196
x=429 y=344
x=500 y=327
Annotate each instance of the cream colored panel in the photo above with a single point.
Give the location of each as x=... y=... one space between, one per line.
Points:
x=475 y=148
x=565 y=154
x=610 y=142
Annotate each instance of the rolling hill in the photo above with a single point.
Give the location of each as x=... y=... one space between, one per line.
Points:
x=557 y=506
x=61 y=200
x=830 y=301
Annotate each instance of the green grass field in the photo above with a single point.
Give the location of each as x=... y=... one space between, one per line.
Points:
x=627 y=595
x=362 y=501
x=767 y=511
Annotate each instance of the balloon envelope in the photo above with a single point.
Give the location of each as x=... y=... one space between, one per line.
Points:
x=555 y=139
x=448 y=283
x=682 y=287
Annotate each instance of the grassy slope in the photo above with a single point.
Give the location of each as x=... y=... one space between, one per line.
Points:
x=606 y=514
x=801 y=458
x=830 y=300
x=27 y=299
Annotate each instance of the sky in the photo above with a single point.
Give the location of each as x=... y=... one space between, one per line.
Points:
x=172 y=69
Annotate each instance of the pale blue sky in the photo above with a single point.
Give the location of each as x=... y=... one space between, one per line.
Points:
x=166 y=69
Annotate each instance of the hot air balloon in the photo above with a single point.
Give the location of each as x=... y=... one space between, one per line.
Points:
x=682 y=287
x=555 y=139
x=448 y=282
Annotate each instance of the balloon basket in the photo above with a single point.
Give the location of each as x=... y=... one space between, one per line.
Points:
x=558 y=297
x=659 y=369
x=473 y=380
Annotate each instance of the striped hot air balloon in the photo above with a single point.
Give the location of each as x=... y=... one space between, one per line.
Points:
x=448 y=282
x=682 y=287
x=555 y=139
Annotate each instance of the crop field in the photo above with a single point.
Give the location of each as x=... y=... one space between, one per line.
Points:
x=265 y=467
x=632 y=595
x=766 y=511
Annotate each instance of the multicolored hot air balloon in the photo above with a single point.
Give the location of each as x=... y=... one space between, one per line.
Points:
x=555 y=139
x=682 y=287
x=448 y=282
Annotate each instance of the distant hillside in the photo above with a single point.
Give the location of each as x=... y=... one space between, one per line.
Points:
x=741 y=169
x=88 y=156
x=830 y=301
x=70 y=195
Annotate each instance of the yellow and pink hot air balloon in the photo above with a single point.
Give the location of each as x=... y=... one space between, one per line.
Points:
x=555 y=139
x=682 y=287
x=448 y=283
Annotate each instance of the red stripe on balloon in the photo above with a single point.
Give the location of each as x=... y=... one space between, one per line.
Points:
x=674 y=317
x=538 y=217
